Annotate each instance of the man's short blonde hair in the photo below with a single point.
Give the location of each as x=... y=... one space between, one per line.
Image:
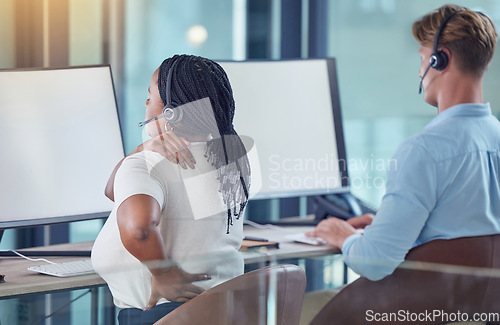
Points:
x=469 y=35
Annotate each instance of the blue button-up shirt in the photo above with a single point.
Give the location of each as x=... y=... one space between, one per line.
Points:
x=445 y=184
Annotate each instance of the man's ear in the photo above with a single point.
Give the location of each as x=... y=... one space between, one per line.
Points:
x=449 y=55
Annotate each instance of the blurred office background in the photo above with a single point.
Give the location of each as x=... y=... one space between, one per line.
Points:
x=377 y=63
x=376 y=56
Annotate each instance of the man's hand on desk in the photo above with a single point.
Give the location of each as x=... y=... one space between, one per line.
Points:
x=174 y=284
x=360 y=222
x=335 y=231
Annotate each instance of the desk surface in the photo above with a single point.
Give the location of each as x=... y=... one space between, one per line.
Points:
x=288 y=249
x=20 y=281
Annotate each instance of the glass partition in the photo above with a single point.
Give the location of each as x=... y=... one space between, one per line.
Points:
x=378 y=79
x=377 y=63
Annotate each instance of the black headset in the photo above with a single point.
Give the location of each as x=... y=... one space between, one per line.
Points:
x=171 y=112
x=439 y=59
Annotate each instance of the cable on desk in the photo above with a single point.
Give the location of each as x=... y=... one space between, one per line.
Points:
x=29 y=259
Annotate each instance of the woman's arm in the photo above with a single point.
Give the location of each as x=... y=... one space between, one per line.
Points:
x=138 y=218
x=167 y=144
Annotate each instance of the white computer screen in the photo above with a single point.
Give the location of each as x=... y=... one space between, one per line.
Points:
x=60 y=140
x=291 y=109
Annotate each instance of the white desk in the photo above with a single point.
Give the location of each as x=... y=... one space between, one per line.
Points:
x=20 y=281
x=287 y=249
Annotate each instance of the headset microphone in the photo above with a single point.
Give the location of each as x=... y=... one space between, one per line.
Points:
x=171 y=112
x=439 y=59
x=425 y=73
x=172 y=115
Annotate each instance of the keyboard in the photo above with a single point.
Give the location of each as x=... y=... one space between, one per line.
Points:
x=67 y=269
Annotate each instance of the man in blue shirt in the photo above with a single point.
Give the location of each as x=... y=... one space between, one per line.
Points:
x=447 y=181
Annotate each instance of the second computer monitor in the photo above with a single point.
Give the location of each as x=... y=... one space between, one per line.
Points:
x=291 y=109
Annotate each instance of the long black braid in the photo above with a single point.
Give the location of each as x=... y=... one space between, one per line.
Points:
x=195 y=78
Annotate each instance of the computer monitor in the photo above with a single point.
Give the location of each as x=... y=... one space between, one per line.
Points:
x=291 y=108
x=60 y=139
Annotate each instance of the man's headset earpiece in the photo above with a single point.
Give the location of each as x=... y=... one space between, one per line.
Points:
x=171 y=112
x=439 y=59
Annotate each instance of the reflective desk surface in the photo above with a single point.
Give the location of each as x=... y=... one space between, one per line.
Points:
x=19 y=281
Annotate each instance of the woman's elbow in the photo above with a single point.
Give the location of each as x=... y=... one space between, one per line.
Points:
x=133 y=231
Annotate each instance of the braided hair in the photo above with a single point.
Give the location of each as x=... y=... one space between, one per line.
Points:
x=194 y=78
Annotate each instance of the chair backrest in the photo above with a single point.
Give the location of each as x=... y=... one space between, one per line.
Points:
x=447 y=275
x=274 y=292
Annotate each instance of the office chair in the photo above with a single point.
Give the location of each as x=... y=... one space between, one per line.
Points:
x=274 y=292
x=453 y=275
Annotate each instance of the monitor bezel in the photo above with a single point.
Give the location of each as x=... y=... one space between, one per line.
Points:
x=338 y=128
x=27 y=223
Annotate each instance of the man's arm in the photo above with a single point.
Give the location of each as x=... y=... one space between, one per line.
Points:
x=409 y=199
x=335 y=231
x=411 y=194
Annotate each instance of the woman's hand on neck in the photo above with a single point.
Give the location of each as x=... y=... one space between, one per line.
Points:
x=189 y=137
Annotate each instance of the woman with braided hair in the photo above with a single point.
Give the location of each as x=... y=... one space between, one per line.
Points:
x=172 y=225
